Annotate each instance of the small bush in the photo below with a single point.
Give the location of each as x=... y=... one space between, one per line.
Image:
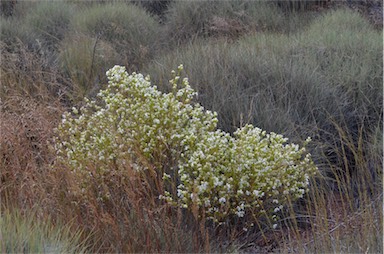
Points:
x=130 y=30
x=171 y=138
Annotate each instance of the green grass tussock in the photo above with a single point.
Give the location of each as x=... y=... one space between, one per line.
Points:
x=248 y=82
x=130 y=30
x=27 y=233
x=348 y=53
x=47 y=23
x=85 y=60
x=8 y=33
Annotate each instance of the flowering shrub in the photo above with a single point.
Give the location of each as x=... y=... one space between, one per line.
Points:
x=133 y=124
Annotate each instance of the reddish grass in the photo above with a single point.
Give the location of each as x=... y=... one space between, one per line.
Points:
x=131 y=220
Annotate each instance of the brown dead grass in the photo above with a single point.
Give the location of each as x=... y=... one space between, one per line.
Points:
x=132 y=219
x=26 y=128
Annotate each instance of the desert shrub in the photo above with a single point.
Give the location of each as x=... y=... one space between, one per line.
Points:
x=188 y=20
x=130 y=30
x=27 y=179
x=169 y=137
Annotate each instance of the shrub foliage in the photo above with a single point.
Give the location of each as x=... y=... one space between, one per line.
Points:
x=203 y=167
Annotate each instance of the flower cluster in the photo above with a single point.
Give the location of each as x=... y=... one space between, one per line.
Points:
x=221 y=174
x=249 y=172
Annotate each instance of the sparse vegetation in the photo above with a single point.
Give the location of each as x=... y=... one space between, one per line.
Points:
x=299 y=69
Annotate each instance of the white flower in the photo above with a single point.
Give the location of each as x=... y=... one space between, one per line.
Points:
x=222 y=200
x=180 y=194
x=240 y=214
x=203 y=187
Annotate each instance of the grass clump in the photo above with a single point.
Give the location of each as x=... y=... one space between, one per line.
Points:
x=251 y=81
x=26 y=128
x=27 y=233
x=47 y=24
x=9 y=31
x=348 y=58
x=85 y=60
x=130 y=30
x=25 y=73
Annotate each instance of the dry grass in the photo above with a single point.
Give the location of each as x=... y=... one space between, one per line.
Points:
x=26 y=127
x=26 y=73
x=130 y=220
